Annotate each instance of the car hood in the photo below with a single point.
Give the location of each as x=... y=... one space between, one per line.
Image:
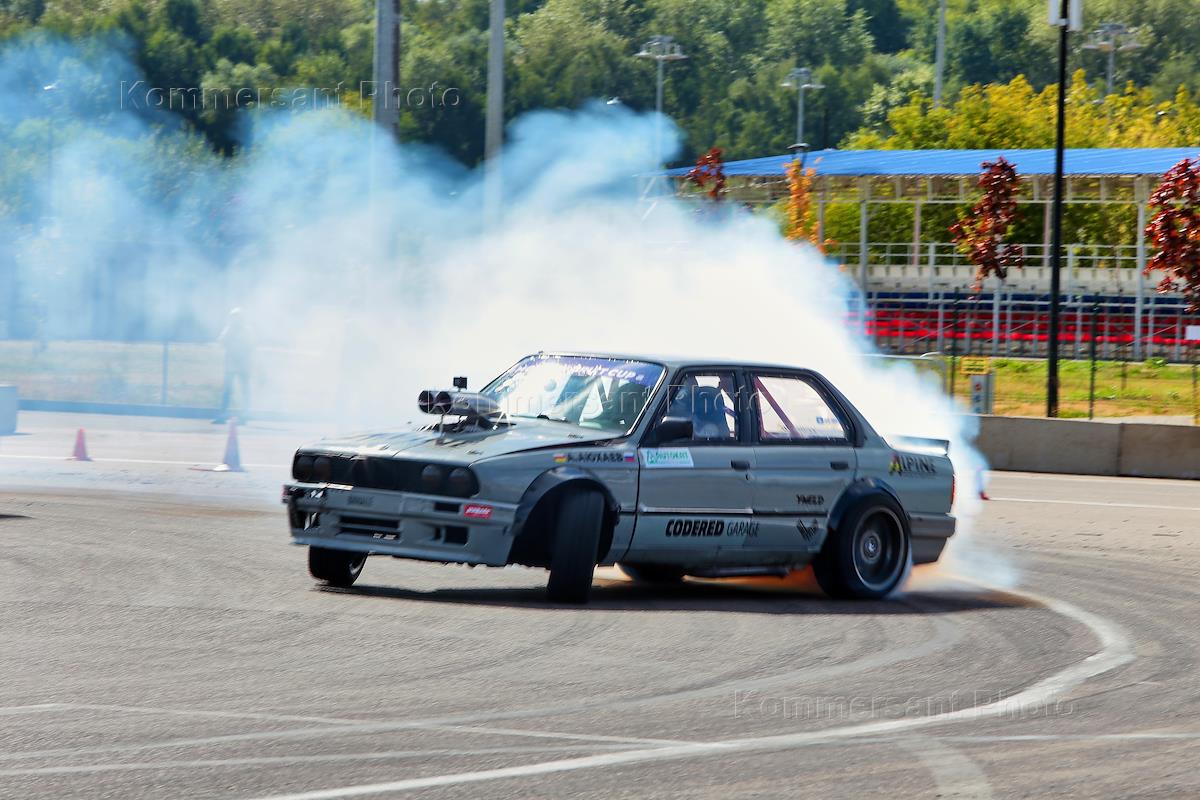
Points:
x=465 y=447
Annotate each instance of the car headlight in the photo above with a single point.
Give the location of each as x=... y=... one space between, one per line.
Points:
x=302 y=468
x=432 y=478
x=462 y=482
x=322 y=469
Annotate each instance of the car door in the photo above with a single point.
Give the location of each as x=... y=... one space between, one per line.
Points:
x=804 y=459
x=694 y=495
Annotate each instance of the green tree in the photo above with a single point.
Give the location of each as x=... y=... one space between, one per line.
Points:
x=234 y=43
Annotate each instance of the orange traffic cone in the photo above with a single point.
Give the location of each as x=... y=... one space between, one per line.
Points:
x=233 y=458
x=81 y=453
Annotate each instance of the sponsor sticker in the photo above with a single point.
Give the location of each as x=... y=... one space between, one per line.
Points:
x=903 y=464
x=594 y=457
x=808 y=532
x=667 y=458
x=739 y=528
x=477 y=511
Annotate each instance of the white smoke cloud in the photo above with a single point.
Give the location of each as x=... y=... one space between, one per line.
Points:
x=369 y=272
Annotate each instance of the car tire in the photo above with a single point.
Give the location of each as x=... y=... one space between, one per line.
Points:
x=335 y=567
x=652 y=573
x=867 y=555
x=578 y=523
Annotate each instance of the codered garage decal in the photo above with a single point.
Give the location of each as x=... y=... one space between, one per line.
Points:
x=711 y=528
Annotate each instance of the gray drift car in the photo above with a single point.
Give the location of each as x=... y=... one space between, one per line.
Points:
x=665 y=467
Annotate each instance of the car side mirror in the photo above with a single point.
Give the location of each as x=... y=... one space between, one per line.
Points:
x=673 y=429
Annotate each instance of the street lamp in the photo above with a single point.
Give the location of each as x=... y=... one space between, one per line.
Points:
x=801 y=80
x=1112 y=38
x=662 y=49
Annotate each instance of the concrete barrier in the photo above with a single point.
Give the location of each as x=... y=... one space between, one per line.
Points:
x=1028 y=444
x=1160 y=451
x=1081 y=447
x=8 y=409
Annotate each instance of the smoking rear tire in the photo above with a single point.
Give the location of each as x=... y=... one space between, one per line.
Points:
x=652 y=573
x=580 y=517
x=866 y=556
x=335 y=567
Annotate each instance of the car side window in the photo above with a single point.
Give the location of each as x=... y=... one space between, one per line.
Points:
x=709 y=400
x=790 y=409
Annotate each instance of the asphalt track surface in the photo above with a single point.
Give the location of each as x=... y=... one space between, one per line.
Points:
x=160 y=639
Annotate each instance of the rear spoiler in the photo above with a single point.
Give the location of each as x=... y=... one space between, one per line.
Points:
x=940 y=446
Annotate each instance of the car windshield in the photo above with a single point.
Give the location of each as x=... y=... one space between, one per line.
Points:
x=603 y=393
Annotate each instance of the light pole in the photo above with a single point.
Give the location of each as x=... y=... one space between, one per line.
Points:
x=1112 y=38
x=385 y=69
x=662 y=49
x=1068 y=17
x=940 y=55
x=52 y=227
x=801 y=80
x=494 y=132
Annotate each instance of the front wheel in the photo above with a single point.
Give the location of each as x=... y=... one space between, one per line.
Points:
x=865 y=558
x=335 y=567
x=576 y=542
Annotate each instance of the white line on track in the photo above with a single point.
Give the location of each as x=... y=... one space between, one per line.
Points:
x=196 y=463
x=1095 y=503
x=34 y=709
x=253 y=761
x=587 y=737
x=1043 y=477
x=1115 y=650
x=955 y=775
x=187 y=712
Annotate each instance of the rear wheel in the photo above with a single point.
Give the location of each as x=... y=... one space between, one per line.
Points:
x=335 y=567
x=580 y=517
x=652 y=573
x=865 y=558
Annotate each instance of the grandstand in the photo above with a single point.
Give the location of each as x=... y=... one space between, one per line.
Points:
x=918 y=292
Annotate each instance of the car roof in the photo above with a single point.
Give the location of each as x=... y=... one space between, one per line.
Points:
x=671 y=362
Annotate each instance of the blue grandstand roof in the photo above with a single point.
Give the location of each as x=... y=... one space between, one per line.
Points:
x=1111 y=161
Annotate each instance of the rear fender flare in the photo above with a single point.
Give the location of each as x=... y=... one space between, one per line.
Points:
x=863 y=490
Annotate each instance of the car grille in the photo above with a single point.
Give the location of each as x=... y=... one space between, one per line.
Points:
x=376 y=473
x=389 y=474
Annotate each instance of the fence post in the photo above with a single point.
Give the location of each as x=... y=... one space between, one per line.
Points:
x=1008 y=332
x=863 y=223
x=1140 y=194
x=996 y=318
x=1092 y=379
x=953 y=341
x=1195 y=407
x=941 y=322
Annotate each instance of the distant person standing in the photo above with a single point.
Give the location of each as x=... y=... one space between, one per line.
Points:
x=239 y=351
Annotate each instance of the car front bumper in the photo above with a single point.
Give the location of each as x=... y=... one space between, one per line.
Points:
x=405 y=525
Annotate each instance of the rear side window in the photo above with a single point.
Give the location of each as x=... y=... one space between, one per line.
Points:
x=790 y=409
